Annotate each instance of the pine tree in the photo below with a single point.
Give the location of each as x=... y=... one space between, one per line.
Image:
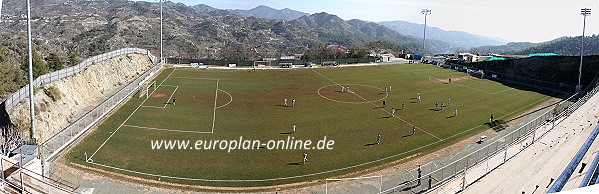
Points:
x=54 y=61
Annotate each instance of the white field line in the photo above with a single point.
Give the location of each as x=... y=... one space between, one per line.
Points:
x=270 y=179
x=279 y=178
x=497 y=118
x=169 y=86
x=230 y=97
x=282 y=178
x=117 y=129
x=378 y=106
x=214 y=111
x=437 y=81
x=169 y=98
x=159 y=129
x=496 y=110
x=152 y=106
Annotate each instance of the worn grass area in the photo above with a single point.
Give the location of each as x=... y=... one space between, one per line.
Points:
x=255 y=111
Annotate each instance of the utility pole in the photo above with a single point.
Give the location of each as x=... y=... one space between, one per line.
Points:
x=30 y=61
x=426 y=12
x=585 y=12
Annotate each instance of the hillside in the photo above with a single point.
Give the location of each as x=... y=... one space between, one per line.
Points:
x=569 y=46
x=266 y=12
x=457 y=38
x=508 y=48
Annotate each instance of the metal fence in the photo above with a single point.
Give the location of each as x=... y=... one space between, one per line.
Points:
x=24 y=180
x=514 y=79
x=59 y=141
x=468 y=169
x=23 y=93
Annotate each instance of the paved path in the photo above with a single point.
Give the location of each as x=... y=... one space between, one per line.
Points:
x=543 y=160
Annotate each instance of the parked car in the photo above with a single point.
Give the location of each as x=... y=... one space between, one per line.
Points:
x=308 y=64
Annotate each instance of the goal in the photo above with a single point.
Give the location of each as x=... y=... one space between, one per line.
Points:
x=147 y=89
x=370 y=184
x=261 y=64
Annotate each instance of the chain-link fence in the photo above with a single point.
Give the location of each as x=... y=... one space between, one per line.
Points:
x=480 y=162
x=57 y=143
x=23 y=180
x=23 y=93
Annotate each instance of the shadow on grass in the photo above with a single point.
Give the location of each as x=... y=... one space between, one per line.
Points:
x=370 y=144
x=434 y=109
x=386 y=117
x=449 y=117
x=280 y=105
x=498 y=125
x=407 y=135
x=286 y=133
x=295 y=163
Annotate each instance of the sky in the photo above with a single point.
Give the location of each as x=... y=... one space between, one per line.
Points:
x=511 y=20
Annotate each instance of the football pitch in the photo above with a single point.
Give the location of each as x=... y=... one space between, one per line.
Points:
x=215 y=106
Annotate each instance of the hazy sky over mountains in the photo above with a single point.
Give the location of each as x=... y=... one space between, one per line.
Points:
x=512 y=20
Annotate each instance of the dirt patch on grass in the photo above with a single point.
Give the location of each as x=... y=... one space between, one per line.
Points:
x=158 y=95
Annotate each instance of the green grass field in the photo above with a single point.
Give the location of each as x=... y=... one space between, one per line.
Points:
x=227 y=104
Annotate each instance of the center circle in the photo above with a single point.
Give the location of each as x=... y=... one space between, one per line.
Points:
x=357 y=94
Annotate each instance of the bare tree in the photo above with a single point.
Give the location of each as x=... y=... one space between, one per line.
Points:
x=10 y=139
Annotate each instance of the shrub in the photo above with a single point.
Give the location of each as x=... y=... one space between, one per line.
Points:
x=53 y=93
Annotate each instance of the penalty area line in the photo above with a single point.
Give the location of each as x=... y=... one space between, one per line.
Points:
x=140 y=105
x=159 y=129
x=214 y=111
x=169 y=98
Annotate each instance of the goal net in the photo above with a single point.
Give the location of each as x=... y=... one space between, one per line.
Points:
x=147 y=89
x=261 y=64
x=371 y=184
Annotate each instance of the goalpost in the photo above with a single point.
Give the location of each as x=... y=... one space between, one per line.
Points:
x=373 y=184
x=261 y=64
x=147 y=89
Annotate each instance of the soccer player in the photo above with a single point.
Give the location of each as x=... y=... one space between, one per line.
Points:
x=285 y=101
x=413 y=129
x=389 y=88
x=403 y=105
x=491 y=119
x=448 y=101
x=293 y=102
x=378 y=139
x=436 y=105
x=455 y=112
x=442 y=105
x=449 y=80
x=384 y=103
x=418 y=96
x=347 y=88
x=342 y=88
x=305 y=157
x=392 y=112
x=174 y=100
x=293 y=127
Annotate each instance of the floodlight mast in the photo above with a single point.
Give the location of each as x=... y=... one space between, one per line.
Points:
x=584 y=12
x=29 y=60
x=426 y=12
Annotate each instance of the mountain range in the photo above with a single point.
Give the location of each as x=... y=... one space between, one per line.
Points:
x=455 y=38
x=458 y=38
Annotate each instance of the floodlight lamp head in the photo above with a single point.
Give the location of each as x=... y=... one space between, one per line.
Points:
x=585 y=11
